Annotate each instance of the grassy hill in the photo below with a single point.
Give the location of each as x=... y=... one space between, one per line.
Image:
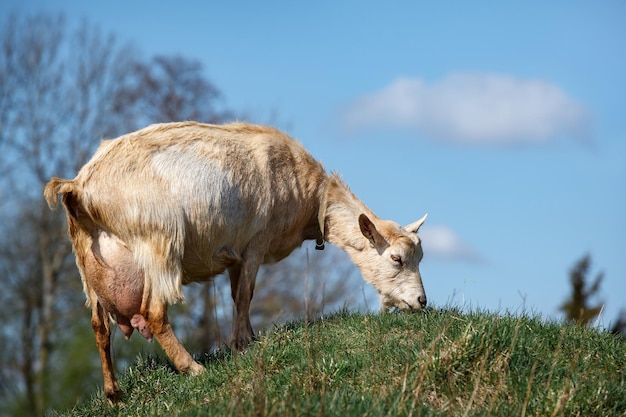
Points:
x=438 y=362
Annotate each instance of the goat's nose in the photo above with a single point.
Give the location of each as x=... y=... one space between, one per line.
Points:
x=422 y=300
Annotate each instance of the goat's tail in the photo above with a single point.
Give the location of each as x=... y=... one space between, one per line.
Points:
x=55 y=187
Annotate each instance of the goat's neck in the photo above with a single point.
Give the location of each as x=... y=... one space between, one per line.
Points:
x=342 y=218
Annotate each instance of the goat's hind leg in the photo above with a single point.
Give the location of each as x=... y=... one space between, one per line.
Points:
x=102 y=330
x=157 y=321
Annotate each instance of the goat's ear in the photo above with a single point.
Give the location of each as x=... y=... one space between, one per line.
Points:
x=415 y=226
x=371 y=233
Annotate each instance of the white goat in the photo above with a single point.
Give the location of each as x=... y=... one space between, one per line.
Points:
x=182 y=202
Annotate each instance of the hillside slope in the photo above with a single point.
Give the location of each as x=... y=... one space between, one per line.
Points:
x=433 y=363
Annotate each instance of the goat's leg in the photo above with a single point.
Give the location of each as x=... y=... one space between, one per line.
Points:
x=242 y=280
x=157 y=321
x=102 y=330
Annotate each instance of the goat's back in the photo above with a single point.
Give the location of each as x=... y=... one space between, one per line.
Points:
x=203 y=188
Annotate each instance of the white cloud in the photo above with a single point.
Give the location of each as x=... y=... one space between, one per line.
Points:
x=473 y=108
x=442 y=243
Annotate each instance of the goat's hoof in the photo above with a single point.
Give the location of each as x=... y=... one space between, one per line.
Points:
x=241 y=343
x=114 y=397
x=195 y=369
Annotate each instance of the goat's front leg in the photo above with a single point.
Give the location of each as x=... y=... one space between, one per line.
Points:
x=242 y=280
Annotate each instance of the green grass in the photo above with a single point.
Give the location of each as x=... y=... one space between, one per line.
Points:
x=435 y=363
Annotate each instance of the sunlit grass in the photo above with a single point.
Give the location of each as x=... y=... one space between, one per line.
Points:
x=437 y=362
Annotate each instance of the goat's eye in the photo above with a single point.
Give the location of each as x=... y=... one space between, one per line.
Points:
x=396 y=259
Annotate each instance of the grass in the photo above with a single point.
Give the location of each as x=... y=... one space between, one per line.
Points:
x=435 y=363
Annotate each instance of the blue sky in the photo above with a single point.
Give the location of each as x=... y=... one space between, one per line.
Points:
x=504 y=121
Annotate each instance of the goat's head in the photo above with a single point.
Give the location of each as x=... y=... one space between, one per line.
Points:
x=390 y=262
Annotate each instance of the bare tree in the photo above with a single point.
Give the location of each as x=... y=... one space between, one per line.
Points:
x=174 y=89
x=60 y=94
x=61 y=90
x=57 y=93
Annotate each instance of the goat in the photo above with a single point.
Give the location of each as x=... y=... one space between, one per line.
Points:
x=183 y=202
